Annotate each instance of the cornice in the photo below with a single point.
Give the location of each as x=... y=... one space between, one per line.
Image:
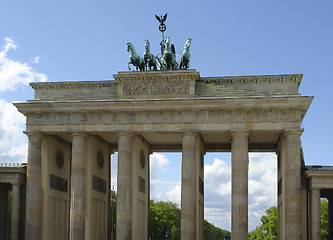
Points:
x=255 y=79
x=73 y=84
x=282 y=102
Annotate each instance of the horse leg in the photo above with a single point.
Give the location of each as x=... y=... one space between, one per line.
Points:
x=129 y=68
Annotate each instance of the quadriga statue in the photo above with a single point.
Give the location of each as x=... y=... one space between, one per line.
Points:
x=166 y=62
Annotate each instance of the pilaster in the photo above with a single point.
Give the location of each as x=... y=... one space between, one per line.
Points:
x=78 y=187
x=124 y=187
x=239 y=180
x=33 y=192
x=188 y=187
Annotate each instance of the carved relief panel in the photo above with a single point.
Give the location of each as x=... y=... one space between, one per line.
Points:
x=183 y=116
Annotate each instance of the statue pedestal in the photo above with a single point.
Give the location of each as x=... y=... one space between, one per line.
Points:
x=157 y=84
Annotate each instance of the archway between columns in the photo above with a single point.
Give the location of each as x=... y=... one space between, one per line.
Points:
x=165 y=183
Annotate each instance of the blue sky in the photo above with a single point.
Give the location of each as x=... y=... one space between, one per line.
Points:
x=86 y=40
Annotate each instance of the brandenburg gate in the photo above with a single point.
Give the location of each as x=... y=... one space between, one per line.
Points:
x=73 y=127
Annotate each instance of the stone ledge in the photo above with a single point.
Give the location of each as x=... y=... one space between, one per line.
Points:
x=175 y=84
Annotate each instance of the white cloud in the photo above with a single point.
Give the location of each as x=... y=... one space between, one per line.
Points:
x=218 y=193
x=262 y=189
x=174 y=195
x=114 y=170
x=157 y=162
x=219 y=217
x=224 y=189
x=13 y=147
x=262 y=185
x=13 y=73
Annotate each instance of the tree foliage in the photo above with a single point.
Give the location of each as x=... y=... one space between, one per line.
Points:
x=164 y=221
x=113 y=213
x=267 y=229
x=324 y=219
x=214 y=233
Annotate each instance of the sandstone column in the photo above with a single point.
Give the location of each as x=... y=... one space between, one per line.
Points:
x=330 y=215
x=315 y=214
x=239 y=181
x=15 y=217
x=293 y=220
x=78 y=187
x=34 y=189
x=124 y=187
x=188 y=187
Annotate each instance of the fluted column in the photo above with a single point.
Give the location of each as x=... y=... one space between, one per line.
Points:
x=188 y=187
x=239 y=181
x=292 y=203
x=15 y=217
x=34 y=189
x=124 y=187
x=315 y=214
x=78 y=187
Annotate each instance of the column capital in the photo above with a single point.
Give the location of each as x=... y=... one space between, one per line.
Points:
x=125 y=133
x=17 y=182
x=33 y=133
x=297 y=131
x=240 y=132
x=82 y=134
x=188 y=132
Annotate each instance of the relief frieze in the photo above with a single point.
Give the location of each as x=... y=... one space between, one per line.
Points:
x=230 y=116
x=265 y=115
x=135 y=88
x=156 y=88
x=164 y=117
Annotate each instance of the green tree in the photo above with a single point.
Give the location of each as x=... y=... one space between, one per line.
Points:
x=214 y=233
x=324 y=219
x=164 y=221
x=113 y=213
x=267 y=229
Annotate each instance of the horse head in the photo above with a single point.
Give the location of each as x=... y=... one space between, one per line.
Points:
x=130 y=47
x=188 y=43
x=147 y=45
x=167 y=43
